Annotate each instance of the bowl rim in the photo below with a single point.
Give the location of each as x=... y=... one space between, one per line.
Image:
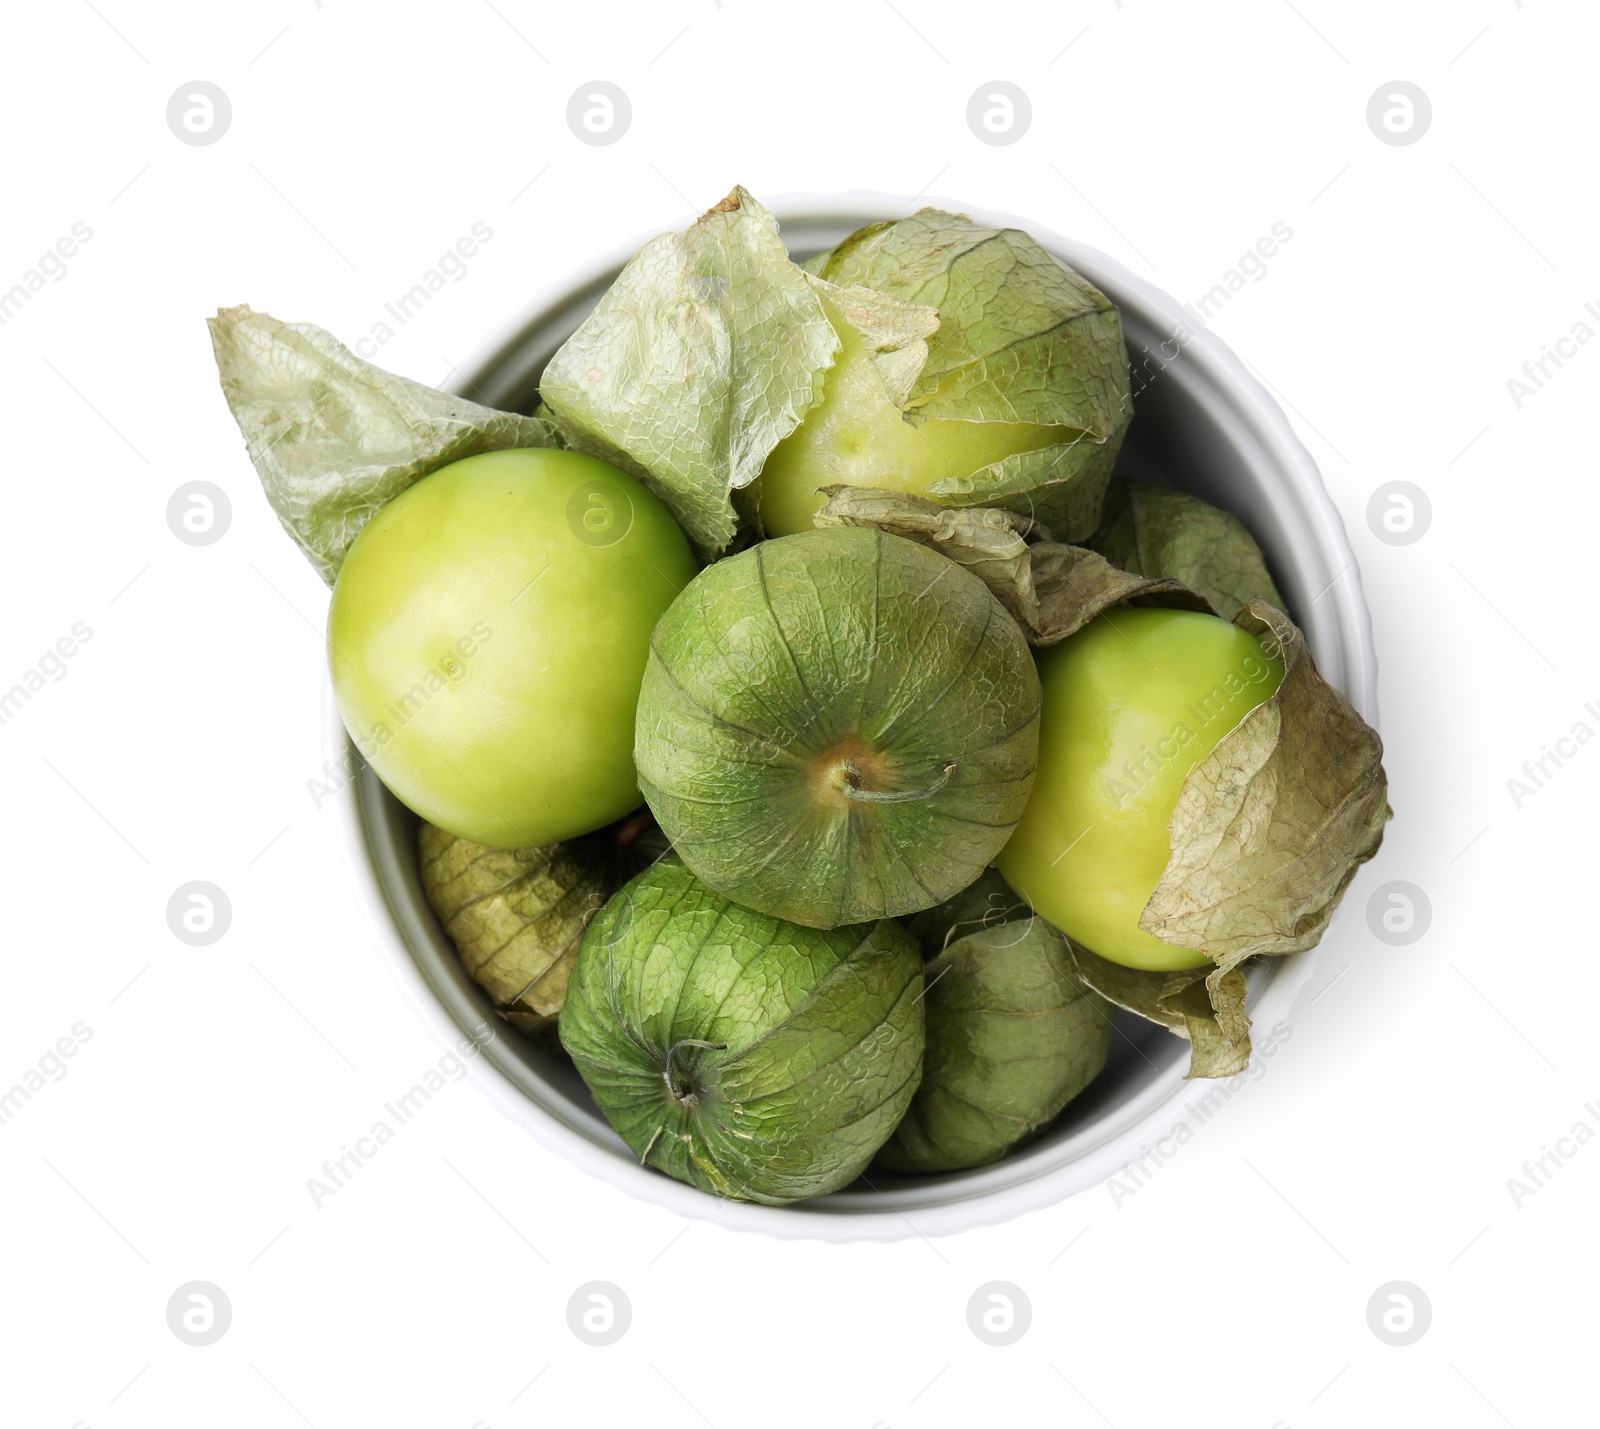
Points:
x=1169 y=1101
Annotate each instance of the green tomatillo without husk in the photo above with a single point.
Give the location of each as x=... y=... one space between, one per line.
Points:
x=837 y=726
x=752 y=1058
x=1132 y=703
x=487 y=638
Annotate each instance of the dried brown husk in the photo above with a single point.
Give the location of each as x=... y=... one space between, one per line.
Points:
x=1051 y=590
x=1182 y=1003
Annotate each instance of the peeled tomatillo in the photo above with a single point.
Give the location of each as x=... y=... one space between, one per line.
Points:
x=487 y=639
x=1132 y=703
x=857 y=436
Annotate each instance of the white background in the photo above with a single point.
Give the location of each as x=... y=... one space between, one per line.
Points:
x=365 y=140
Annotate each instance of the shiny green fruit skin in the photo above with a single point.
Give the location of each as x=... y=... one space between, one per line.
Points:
x=749 y=1057
x=837 y=726
x=1132 y=703
x=487 y=637
x=856 y=436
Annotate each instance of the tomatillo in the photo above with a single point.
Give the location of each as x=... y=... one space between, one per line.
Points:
x=487 y=639
x=857 y=436
x=1132 y=703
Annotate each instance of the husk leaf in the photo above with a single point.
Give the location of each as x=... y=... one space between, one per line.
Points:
x=1021 y=338
x=1182 y=1003
x=1269 y=828
x=335 y=439
x=701 y=357
x=1160 y=531
x=1013 y=1035
x=751 y=1058
x=516 y=916
x=895 y=333
x=988 y=903
x=1050 y=589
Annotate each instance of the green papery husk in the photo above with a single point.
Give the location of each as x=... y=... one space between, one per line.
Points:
x=335 y=439
x=987 y=903
x=1061 y=487
x=1013 y=1035
x=712 y=345
x=1269 y=828
x=895 y=333
x=778 y=670
x=792 y=1052
x=516 y=916
x=1159 y=531
x=1271 y=825
x=1051 y=590
x=1020 y=338
x=703 y=355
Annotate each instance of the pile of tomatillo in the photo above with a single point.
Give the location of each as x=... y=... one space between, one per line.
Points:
x=805 y=724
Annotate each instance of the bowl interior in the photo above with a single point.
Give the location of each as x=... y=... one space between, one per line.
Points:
x=1198 y=425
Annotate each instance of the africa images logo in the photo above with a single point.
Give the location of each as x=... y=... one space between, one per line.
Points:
x=450 y=670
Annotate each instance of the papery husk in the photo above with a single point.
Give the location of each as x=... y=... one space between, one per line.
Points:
x=1021 y=337
x=1050 y=589
x=987 y=903
x=516 y=916
x=1161 y=531
x=825 y=662
x=1182 y=1003
x=749 y=1057
x=1269 y=828
x=335 y=439
x=701 y=357
x=1013 y=1035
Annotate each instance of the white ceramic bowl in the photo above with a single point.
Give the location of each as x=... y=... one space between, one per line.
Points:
x=1201 y=422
